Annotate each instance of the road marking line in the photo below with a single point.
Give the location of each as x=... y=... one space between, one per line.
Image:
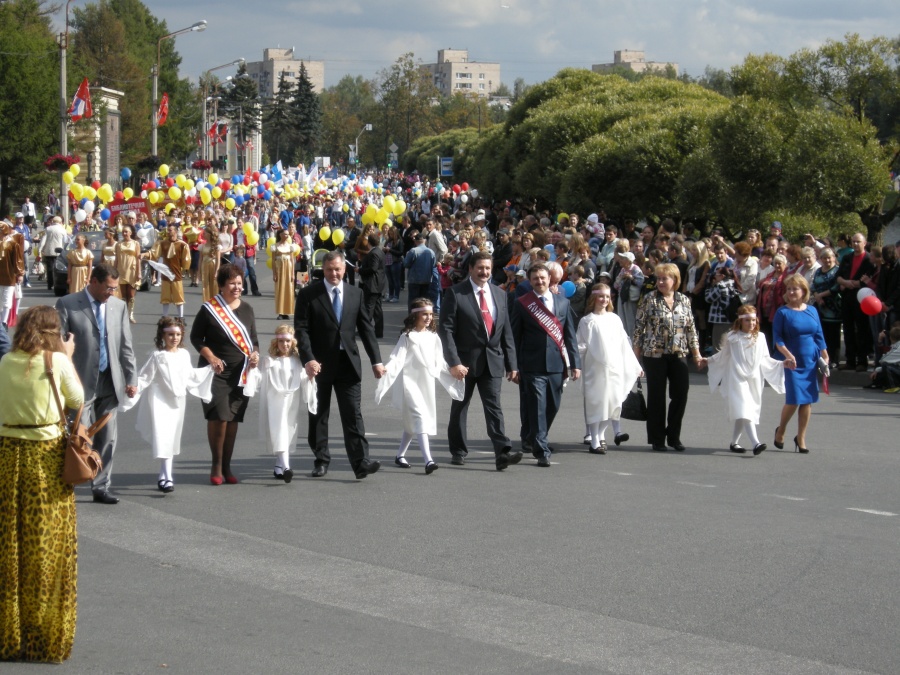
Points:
x=369 y=433
x=622 y=473
x=792 y=499
x=685 y=482
x=871 y=511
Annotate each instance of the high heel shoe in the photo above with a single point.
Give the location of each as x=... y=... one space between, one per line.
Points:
x=778 y=445
x=802 y=451
x=215 y=480
x=231 y=480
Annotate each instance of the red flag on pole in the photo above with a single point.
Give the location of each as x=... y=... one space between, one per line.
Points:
x=81 y=105
x=163 y=113
x=223 y=133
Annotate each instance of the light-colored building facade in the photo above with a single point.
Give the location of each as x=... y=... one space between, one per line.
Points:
x=454 y=73
x=275 y=61
x=633 y=59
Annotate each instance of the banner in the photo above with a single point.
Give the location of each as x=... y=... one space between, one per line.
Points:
x=163 y=113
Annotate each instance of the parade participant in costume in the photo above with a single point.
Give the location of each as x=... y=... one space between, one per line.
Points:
x=175 y=257
x=209 y=261
x=284 y=255
x=415 y=364
x=738 y=371
x=163 y=384
x=80 y=262
x=12 y=267
x=610 y=368
x=128 y=264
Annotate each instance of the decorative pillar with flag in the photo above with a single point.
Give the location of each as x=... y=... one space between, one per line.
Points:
x=163 y=113
x=81 y=105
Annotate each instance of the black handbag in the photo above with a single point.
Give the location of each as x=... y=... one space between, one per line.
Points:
x=635 y=407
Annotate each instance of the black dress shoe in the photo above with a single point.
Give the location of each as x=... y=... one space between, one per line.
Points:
x=759 y=448
x=543 y=462
x=457 y=460
x=401 y=462
x=288 y=475
x=734 y=447
x=278 y=476
x=621 y=438
x=430 y=468
x=599 y=450
x=105 y=498
x=502 y=461
x=513 y=457
x=659 y=448
x=319 y=471
x=679 y=447
x=367 y=468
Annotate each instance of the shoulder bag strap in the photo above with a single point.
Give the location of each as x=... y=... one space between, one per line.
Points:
x=48 y=368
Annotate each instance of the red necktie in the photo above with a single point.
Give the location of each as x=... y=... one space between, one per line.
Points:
x=486 y=314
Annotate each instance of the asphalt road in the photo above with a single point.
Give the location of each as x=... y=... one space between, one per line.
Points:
x=633 y=562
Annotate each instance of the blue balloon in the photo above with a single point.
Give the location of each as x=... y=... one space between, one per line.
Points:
x=126 y=174
x=438 y=187
x=105 y=214
x=84 y=200
x=261 y=190
x=352 y=176
x=235 y=179
x=239 y=200
x=267 y=195
x=568 y=288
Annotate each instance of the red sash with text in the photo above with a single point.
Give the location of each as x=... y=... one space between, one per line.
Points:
x=546 y=320
x=234 y=329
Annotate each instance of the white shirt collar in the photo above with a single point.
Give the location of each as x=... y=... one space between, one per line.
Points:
x=479 y=288
x=331 y=288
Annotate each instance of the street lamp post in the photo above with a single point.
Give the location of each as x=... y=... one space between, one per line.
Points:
x=205 y=144
x=367 y=127
x=198 y=27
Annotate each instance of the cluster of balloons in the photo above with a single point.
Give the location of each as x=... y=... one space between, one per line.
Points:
x=86 y=194
x=869 y=302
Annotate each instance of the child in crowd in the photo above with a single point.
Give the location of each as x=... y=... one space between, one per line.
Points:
x=163 y=384
x=283 y=384
x=887 y=373
x=737 y=372
x=416 y=362
x=241 y=263
x=610 y=368
x=444 y=269
x=579 y=298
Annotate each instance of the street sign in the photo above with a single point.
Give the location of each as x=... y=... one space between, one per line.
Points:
x=446 y=166
x=393 y=147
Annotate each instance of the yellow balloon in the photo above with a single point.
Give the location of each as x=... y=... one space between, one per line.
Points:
x=399 y=208
x=213 y=178
x=371 y=210
x=324 y=233
x=216 y=192
x=205 y=196
x=269 y=263
x=229 y=203
x=337 y=237
x=128 y=193
x=75 y=169
x=389 y=204
x=163 y=170
x=270 y=243
x=175 y=193
x=345 y=208
x=77 y=190
x=188 y=184
x=367 y=219
x=253 y=238
x=153 y=197
x=68 y=178
x=90 y=192
x=169 y=207
x=179 y=180
x=381 y=217
x=248 y=229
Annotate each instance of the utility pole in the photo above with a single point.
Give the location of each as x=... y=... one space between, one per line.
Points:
x=63 y=120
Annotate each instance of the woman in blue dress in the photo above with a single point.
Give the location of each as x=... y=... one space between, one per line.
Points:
x=798 y=337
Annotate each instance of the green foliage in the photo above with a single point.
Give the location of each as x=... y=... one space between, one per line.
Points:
x=308 y=115
x=279 y=122
x=423 y=154
x=346 y=108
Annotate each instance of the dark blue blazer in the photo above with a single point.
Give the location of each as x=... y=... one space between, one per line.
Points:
x=536 y=350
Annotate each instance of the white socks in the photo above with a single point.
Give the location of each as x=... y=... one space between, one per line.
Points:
x=282 y=461
x=406 y=440
x=747 y=427
x=180 y=310
x=165 y=469
x=598 y=431
x=166 y=309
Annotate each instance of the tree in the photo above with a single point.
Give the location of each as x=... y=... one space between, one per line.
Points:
x=502 y=91
x=405 y=95
x=240 y=104
x=279 y=123
x=29 y=107
x=307 y=112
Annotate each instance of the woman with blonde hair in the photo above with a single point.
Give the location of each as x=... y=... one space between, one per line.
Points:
x=128 y=264
x=81 y=260
x=38 y=545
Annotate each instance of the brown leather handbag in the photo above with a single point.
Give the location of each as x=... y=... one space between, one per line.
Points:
x=82 y=463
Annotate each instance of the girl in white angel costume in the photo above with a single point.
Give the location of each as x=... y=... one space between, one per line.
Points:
x=416 y=362
x=609 y=368
x=163 y=385
x=737 y=372
x=282 y=384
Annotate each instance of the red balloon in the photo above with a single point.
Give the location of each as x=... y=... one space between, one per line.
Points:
x=246 y=180
x=256 y=176
x=225 y=185
x=96 y=184
x=871 y=306
x=170 y=182
x=151 y=185
x=465 y=187
x=456 y=189
x=119 y=195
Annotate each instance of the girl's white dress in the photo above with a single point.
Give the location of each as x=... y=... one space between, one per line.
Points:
x=737 y=373
x=416 y=362
x=609 y=367
x=163 y=384
x=283 y=385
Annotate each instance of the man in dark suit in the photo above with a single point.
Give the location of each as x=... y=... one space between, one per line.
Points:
x=327 y=317
x=478 y=347
x=543 y=326
x=372 y=280
x=104 y=359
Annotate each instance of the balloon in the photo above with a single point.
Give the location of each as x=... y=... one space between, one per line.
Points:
x=226 y=185
x=381 y=217
x=163 y=170
x=324 y=233
x=179 y=180
x=399 y=208
x=68 y=178
x=76 y=190
x=455 y=189
x=80 y=215
x=253 y=238
x=170 y=182
x=75 y=169
x=269 y=262
x=367 y=219
x=256 y=176
x=371 y=210
x=263 y=178
x=239 y=200
x=151 y=185
x=119 y=195
x=105 y=214
x=127 y=193
x=89 y=207
x=90 y=192
x=345 y=208
x=229 y=203
x=337 y=237
x=153 y=197
x=125 y=173
x=465 y=187
x=464 y=199
x=105 y=192
x=213 y=179
x=267 y=195
x=174 y=193
x=248 y=229
x=96 y=184
x=864 y=293
x=216 y=192
x=270 y=243
x=169 y=207
x=188 y=184
x=389 y=204
x=871 y=306
x=568 y=288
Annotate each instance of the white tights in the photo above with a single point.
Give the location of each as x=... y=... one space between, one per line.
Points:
x=406 y=440
x=178 y=308
x=282 y=461
x=165 y=469
x=746 y=427
x=597 y=430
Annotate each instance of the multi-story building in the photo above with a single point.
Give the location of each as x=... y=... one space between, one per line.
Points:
x=267 y=73
x=454 y=73
x=633 y=59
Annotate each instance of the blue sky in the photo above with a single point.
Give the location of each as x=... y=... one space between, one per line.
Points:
x=532 y=39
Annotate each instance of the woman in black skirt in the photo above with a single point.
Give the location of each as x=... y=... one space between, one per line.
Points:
x=224 y=333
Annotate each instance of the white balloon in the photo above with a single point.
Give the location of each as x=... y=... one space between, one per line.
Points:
x=864 y=293
x=464 y=199
x=263 y=178
x=89 y=206
x=474 y=193
x=80 y=215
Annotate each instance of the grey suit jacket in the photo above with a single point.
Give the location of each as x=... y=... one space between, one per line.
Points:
x=76 y=314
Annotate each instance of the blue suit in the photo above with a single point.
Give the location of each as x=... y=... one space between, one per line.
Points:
x=541 y=370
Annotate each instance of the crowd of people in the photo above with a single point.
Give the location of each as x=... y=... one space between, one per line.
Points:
x=494 y=291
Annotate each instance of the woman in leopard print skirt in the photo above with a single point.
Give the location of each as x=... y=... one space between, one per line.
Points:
x=38 y=549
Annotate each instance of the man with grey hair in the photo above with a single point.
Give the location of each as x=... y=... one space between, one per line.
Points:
x=52 y=243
